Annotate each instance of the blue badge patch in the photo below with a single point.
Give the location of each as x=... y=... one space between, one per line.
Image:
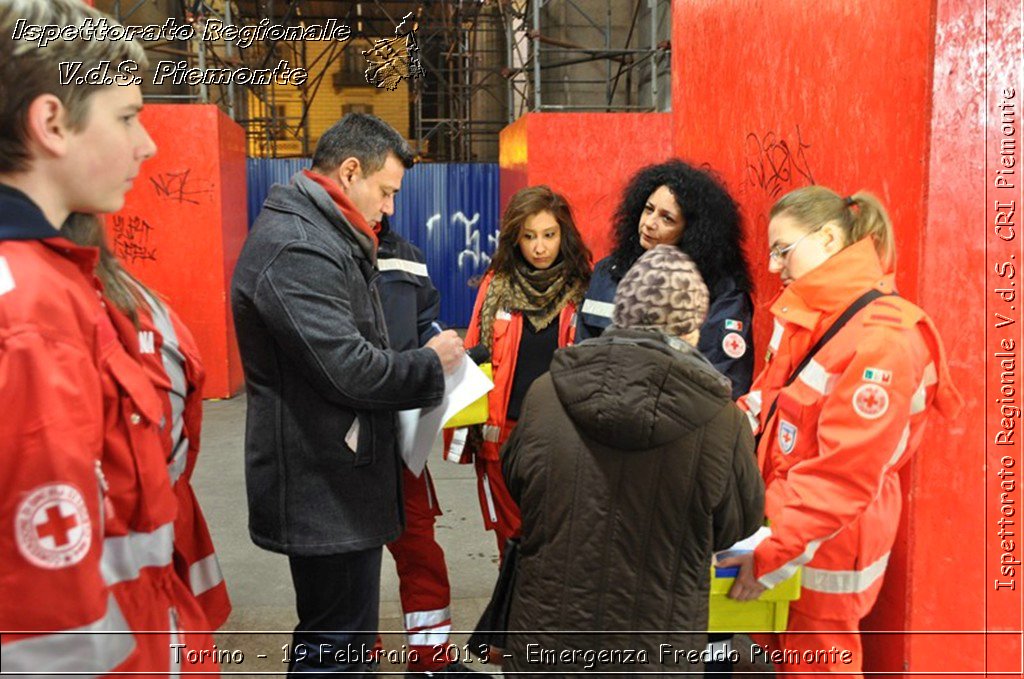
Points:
x=787 y=436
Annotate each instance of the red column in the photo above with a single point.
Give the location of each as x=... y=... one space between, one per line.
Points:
x=587 y=157
x=183 y=225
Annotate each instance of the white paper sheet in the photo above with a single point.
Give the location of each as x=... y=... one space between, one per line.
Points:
x=747 y=544
x=419 y=428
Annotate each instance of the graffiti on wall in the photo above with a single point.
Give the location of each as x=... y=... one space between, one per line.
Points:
x=180 y=187
x=473 y=249
x=132 y=239
x=775 y=164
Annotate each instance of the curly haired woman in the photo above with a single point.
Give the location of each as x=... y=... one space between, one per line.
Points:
x=674 y=203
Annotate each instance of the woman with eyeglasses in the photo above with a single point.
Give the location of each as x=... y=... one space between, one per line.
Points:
x=853 y=373
x=674 y=203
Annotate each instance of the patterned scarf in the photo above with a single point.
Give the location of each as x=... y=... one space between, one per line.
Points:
x=540 y=294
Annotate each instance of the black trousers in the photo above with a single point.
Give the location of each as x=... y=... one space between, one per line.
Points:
x=337 y=597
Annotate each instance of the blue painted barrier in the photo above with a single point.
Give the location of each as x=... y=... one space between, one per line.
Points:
x=449 y=210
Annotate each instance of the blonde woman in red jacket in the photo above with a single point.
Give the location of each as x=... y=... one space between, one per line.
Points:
x=833 y=439
x=170 y=357
x=525 y=309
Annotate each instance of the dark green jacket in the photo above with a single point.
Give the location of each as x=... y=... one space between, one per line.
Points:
x=630 y=464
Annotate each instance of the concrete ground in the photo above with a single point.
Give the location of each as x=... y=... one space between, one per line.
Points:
x=259 y=582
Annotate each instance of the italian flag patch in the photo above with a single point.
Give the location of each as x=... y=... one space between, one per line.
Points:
x=877 y=376
x=731 y=324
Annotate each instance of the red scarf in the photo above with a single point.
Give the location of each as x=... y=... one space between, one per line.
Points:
x=345 y=206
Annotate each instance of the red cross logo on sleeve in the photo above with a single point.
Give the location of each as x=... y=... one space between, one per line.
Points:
x=52 y=526
x=870 y=401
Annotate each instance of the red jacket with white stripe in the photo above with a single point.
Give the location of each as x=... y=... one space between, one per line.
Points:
x=507 y=332
x=86 y=510
x=842 y=430
x=171 y=358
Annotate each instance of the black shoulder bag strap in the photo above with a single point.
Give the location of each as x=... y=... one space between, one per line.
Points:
x=851 y=311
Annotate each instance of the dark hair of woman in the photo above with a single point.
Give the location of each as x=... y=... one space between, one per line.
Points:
x=712 y=235
x=526 y=203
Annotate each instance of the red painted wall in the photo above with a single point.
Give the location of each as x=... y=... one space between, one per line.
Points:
x=183 y=224
x=587 y=157
x=888 y=97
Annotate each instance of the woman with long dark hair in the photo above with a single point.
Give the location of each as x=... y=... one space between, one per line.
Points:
x=674 y=203
x=524 y=311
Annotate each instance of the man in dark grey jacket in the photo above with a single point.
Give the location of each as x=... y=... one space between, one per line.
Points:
x=323 y=472
x=630 y=464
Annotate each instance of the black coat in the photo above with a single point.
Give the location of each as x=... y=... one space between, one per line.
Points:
x=318 y=371
x=630 y=465
x=411 y=302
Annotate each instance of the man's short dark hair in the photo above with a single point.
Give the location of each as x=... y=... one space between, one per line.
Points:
x=364 y=137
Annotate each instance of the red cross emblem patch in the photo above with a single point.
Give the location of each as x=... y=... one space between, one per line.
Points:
x=52 y=526
x=734 y=345
x=870 y=401
x=787 y=436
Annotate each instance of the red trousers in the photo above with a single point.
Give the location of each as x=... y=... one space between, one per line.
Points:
x=814 y=645
x=422 y=576
x=500 y=512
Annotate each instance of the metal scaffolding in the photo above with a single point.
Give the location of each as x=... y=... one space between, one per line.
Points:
x=580 y=55
x=485 y=63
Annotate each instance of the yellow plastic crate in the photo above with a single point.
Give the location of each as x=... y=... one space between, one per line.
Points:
x=475 y=412
x=769 y=613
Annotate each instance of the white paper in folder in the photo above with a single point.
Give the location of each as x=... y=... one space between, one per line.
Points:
x=419 y=428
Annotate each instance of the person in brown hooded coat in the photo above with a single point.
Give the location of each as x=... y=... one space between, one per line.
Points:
x=630 y=464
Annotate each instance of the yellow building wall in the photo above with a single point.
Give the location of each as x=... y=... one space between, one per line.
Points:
x=328 y=105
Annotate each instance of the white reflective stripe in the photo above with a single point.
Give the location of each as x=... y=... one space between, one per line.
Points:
x=843 y=582
x=492 y=433
x=597 y=308
x=777 y=332
x=901 y=447
x=174 y=366
x=125 y=556
x=786 y=570
x=754 y=424
x=175 y=670
x=6 y=278
x=428 y=486
x=421 y=620
x=920 y=399
x=719 y=650
x=408 y=266
x=753 y=401
x=490 y=499
x=205 y=574
x=458 y=444
x=176 y=467
x=816 y=377
x=434 y=637
x=94 y=649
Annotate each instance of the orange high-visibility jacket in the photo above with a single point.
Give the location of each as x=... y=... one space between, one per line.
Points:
x=507 y=333
x=842 y=430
